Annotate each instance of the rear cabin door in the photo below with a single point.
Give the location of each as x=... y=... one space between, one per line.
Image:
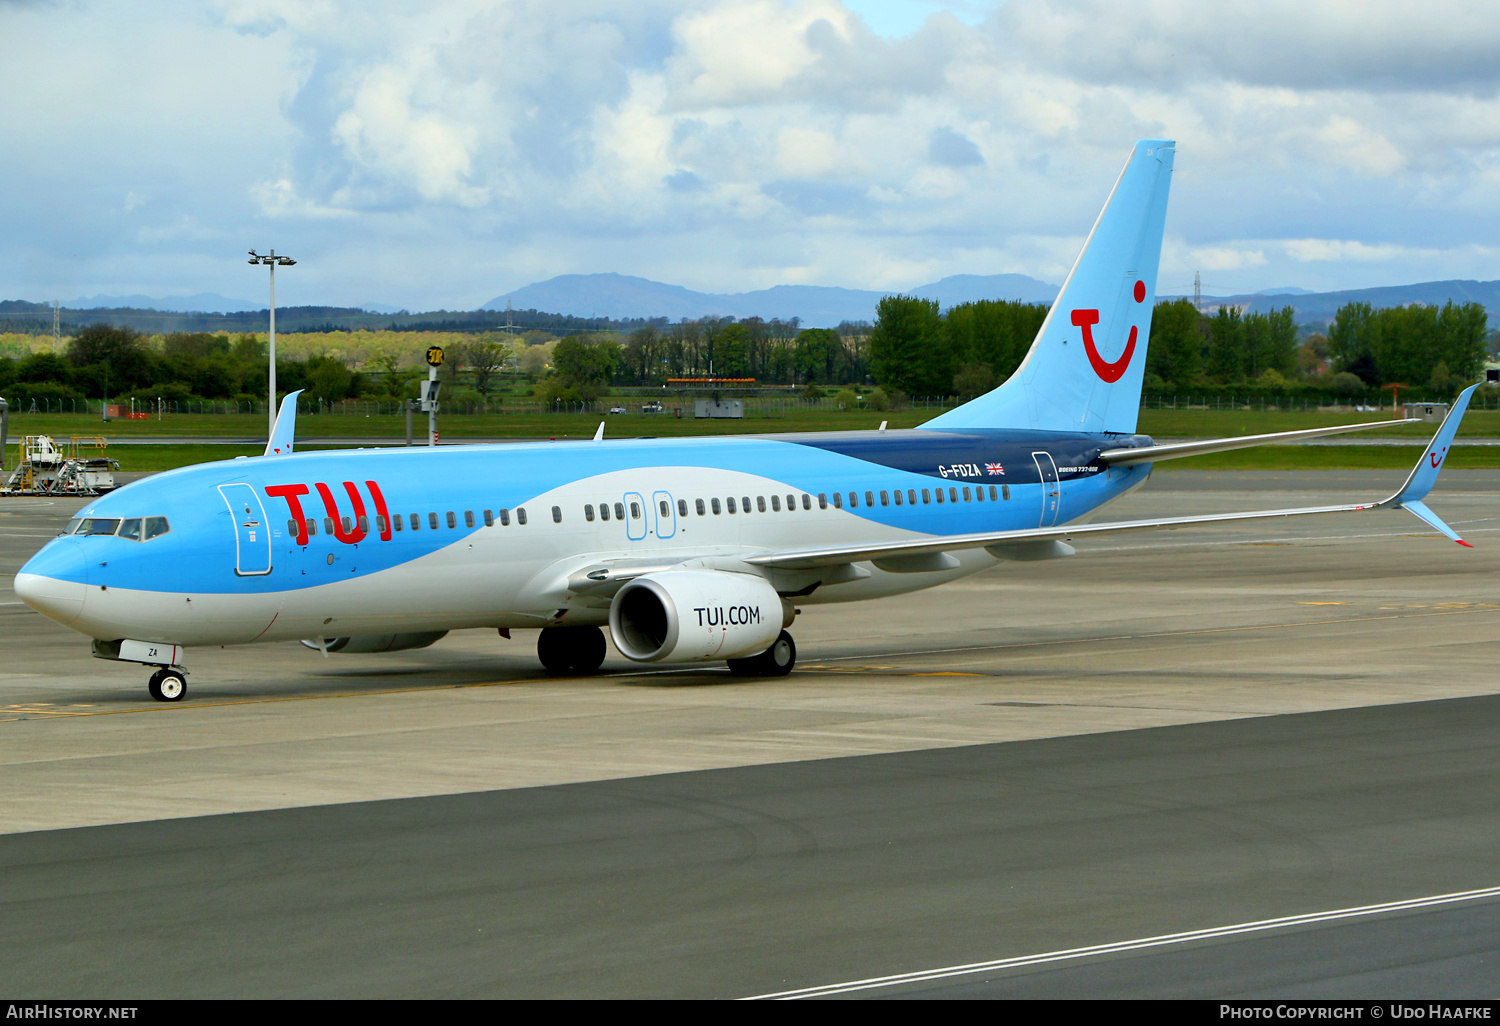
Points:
x=666 y=516
x=252 y=535
x=1051 y=488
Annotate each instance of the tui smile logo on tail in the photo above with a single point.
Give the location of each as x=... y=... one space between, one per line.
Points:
x=1086 y=319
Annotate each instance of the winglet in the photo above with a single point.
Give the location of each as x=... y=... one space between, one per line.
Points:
x=1425 y=474
x=280 y=442
x=599 y=435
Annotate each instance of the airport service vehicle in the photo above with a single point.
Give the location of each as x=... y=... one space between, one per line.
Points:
x=685 y=550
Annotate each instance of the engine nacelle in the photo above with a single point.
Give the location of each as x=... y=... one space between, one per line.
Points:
x=364 y=643
x=688 y=615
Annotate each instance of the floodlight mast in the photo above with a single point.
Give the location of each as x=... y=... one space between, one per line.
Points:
x=271 y=260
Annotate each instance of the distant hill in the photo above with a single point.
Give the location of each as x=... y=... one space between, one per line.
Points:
x=620 y=296
x=203 y=302
x=1322 y=306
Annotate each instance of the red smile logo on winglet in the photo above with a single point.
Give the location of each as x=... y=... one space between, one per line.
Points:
x=1086 y=319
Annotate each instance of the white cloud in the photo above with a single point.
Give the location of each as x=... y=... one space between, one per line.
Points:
x=731 y=144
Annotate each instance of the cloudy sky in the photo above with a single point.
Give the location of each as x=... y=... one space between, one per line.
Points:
x=438 y=153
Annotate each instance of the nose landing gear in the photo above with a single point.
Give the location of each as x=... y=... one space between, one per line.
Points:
x=167 y=685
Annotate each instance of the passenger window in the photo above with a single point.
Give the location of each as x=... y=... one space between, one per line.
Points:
x=635 y=511
x=715 y=505
x=619 y=511
x=979 y=492
x=364 y=524
x=760 y=503
x=729 y=503
x=966 y=494
x=870 y=499
x=745 y=504
x=822 y=500
x=468 y=518
x=557 y=514
x=489 y=518
x=666 y=510
x=952 y=494
x=898 y=496
x=588 y=512
x=993 y=496
x=1005 y=491
x=505 y=518
x=806 y=501
x=939 y=492
x=380 y=523
x=432 y=521
x=312 y=528
x=452 y=520
x=521 y=516
x=328 y=525
x=911 y=496
x=926 y=498
x=348 y=526
x=791 y=503
x=291 y=527
x=603 y=511
x=416 y=522
x=398 y=522
x=156 y=527
x=885 y=499
x=682 y=507
x=838 y=500
x=132 y=529
x=775 y=504
x=699 y=504
x=853 y=500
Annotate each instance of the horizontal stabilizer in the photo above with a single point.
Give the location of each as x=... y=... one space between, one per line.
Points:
x=1178 y=450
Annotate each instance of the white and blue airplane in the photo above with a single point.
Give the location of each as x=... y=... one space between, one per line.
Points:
x=687 y=550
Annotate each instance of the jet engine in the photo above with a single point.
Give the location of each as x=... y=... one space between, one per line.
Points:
x=688 y=615
x=378 y=642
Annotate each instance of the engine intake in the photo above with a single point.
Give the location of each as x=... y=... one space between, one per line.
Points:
x=690 y=615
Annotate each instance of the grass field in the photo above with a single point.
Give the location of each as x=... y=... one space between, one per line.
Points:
x=1159 y=423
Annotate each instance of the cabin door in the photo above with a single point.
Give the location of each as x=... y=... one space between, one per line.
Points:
x=252 y=535
x=1051 y=488
x=666 y=516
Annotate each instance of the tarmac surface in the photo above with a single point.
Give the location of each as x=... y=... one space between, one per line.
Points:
x=1203 y=728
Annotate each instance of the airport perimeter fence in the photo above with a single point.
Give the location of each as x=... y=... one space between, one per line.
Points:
x=755 y=408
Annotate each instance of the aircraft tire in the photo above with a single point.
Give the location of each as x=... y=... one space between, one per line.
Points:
x=167 y=686
x=571 y=649
x=776 y=661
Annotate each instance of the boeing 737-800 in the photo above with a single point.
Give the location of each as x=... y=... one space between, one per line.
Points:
x=687 y=550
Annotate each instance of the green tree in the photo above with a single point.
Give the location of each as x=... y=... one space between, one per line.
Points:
x=995 y=333
x=1174 y=352
x=817 y=354
x=1350 y=342
x=909 y=349
x=585 y=365
x=1226 y=345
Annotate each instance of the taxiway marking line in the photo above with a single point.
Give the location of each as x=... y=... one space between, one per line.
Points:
x=165 y=708
x=1186 y=937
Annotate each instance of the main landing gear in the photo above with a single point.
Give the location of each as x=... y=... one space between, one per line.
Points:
x=776 y=661
x=167 y=685
x=571 y=649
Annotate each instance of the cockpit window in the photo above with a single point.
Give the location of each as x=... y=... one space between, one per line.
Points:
x=73 y=525
x=99 y=526
x=134 y=528
x=131 y=529
x=156 y=527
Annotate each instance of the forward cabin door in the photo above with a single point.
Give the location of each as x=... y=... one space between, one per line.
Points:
x=635 y=516
x=252 y=535
x=1051 y=488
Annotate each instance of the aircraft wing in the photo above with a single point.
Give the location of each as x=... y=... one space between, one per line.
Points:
x=924 y=554
x=1177 y=450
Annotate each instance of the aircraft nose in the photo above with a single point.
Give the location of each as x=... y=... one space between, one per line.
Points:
x=54 y=582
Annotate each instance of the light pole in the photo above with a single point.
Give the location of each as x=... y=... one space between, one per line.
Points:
x=271 y=260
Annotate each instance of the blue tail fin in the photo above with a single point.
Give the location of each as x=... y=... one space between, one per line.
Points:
x=1085 y=369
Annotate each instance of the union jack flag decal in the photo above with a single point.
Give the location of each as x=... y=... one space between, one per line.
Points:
x=994 y=469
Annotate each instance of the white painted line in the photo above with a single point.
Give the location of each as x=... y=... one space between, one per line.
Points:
x=874 y=982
